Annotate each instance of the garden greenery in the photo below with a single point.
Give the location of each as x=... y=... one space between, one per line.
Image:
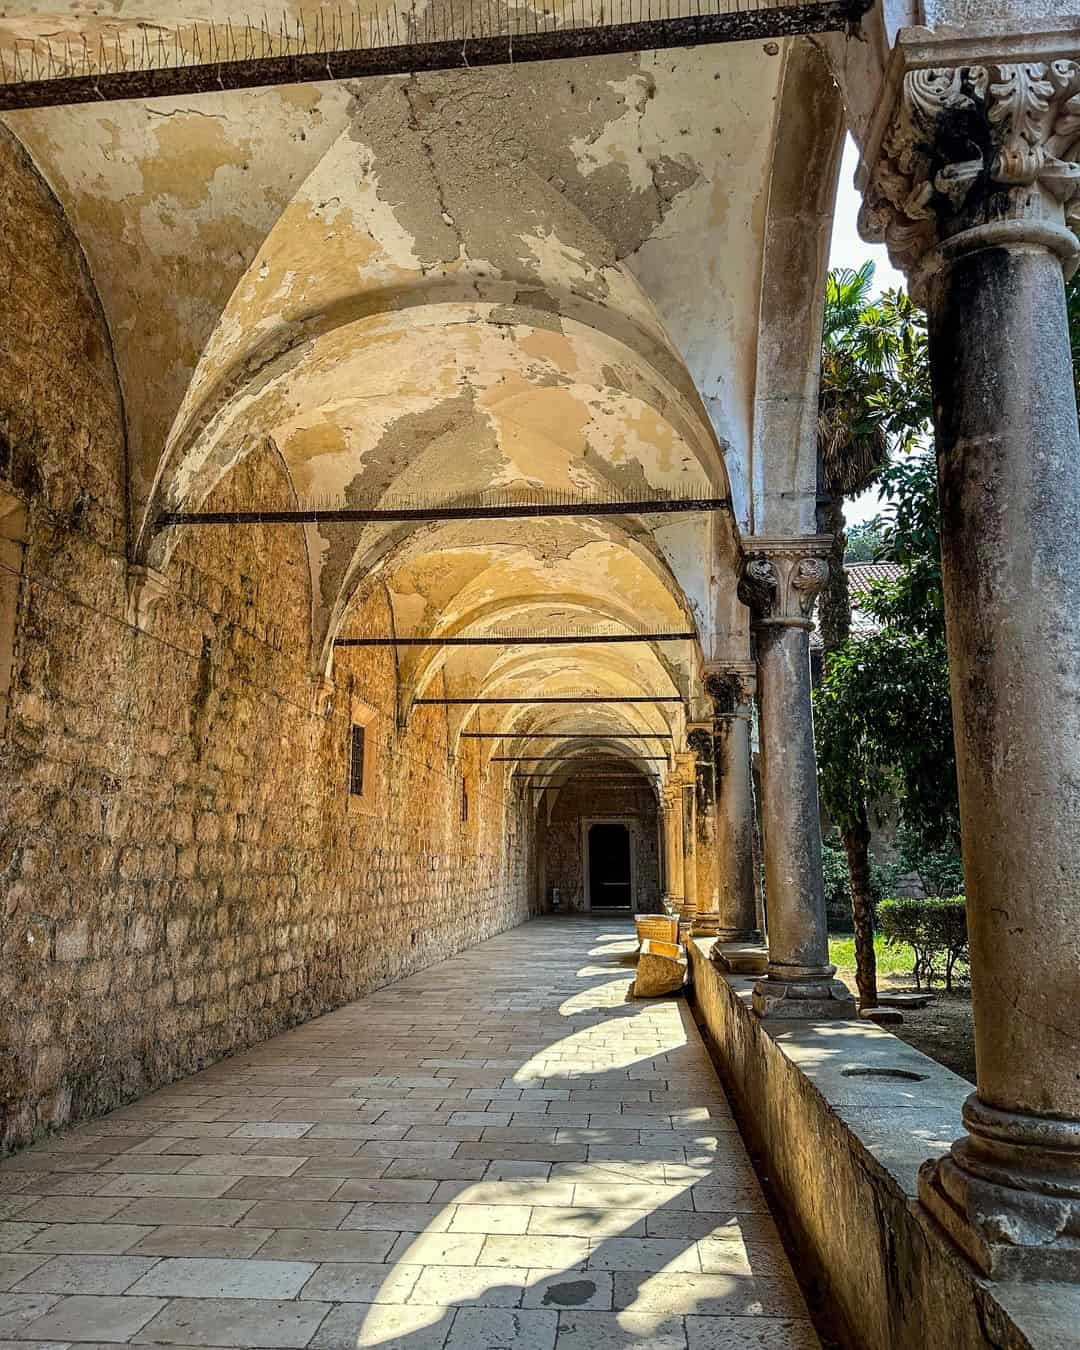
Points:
x=935 y=928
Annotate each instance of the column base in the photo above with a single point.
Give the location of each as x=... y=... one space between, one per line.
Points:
x=707 y=925
x=803 y=993
x=740 y=953
x=1008 y=1194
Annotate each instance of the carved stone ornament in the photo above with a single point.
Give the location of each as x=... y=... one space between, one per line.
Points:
x=700 y=742
x=781 y=579
x=731 y=689
x=990 y=145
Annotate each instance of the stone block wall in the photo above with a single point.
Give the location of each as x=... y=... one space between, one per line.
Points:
x=182 y=868
x=561 y=849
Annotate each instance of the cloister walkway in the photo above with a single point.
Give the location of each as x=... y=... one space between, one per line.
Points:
x=497 y=1152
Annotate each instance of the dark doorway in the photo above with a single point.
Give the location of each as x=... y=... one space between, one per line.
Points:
x=609 y=867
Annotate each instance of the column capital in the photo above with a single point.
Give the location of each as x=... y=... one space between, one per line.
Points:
x=700 y=741
x=732 y=687
x=976 y=145
x=780 y=579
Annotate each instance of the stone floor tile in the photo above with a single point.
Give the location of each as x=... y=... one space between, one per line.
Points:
x=479 y=1286
x=504 y=1170
x=86 y=1275
x=73 y=1209
x=15 y=1268
x=294 y=1214
x=620 y=1331
x=201 y=1213
x=505 y=1328
x=403 y=1218
x=14 y=1235
x=708 y=1295
x=535 y=1251
x=630 y=1195
x=412 y=1326
x=651 y=1254
x=272 y=1129
x=490 y=1219
x=75 y=1239
x=439 y=1249
x=17 y=1311
x=242 y=1165
x=208 y=1277
x=89 y=1317
x=321 y=1244
x=561 y=1289
x=178 y=1240
x=298 y=1187
x=390 y=1192
x=362 y=1282
x=176 y=1186
x=746 y=1333
x=587 y=1223
x=235 y=1322
x=437 y=1169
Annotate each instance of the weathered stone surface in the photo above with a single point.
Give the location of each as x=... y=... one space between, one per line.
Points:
x=843 y=1115
x=661 y=969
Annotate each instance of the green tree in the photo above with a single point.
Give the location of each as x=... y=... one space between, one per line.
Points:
x=874 y=400
x=864 y=542
x=883 y=710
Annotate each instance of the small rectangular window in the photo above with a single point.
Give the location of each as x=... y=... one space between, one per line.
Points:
x=464 y=800
x=356 y=763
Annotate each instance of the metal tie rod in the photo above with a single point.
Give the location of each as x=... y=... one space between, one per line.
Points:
x=566 y=735
x=254 y=57
x=554 y=698
x=515 y=640
x=381 y=515
x=573 y=759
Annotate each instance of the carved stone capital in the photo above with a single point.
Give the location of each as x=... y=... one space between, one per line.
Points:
x=782 y=578
x=975 y=151
x=700 y=742
x=731 y=688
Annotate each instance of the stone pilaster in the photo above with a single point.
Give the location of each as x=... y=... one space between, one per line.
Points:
x=780 y=581
x=974 y=183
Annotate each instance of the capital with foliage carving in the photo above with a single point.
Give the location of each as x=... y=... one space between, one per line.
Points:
x=700 y=742
x=782 y=578
x=731 y=688
x=976 y=143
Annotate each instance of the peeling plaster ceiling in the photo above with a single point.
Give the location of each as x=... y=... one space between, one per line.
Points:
x=518 y=278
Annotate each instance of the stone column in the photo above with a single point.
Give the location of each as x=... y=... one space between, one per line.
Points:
x=673 y=843
x=700 y=741
x=685 y=764
x=975 y=186
x=780 y=581
x=732 y=691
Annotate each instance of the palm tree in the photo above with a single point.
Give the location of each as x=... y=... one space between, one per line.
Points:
x=874 y=399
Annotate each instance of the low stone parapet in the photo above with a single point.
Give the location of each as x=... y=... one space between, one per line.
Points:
x=842 y=1114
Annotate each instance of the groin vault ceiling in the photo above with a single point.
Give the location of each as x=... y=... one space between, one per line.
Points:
x=519 y=279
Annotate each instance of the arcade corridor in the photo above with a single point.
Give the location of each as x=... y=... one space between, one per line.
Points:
x=497 y=1151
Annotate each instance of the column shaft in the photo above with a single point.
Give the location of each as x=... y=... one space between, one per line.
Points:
x=735 y=828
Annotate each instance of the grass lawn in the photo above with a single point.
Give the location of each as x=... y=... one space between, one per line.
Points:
x=891 y=960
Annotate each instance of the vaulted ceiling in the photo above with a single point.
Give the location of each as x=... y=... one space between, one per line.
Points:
x=573 y=276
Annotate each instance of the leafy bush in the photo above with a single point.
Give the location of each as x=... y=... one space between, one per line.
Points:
x=936 y=929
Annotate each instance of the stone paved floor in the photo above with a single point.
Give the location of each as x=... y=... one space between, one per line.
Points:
x=498 y=1152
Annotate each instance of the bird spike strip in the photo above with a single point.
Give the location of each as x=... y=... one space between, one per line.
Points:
x=493 y=504
x=125 y=60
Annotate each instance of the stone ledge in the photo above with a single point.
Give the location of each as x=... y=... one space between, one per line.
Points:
x=842 y=1114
